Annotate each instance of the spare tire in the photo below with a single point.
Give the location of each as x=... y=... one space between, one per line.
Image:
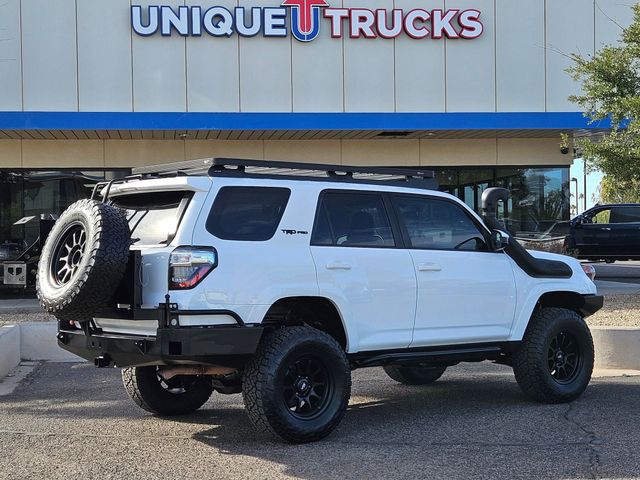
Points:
x=83 y=260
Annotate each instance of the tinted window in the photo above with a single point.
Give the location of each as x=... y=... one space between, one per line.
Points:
x=352 y=220
x=625 y=215
x=436 y=224
x=247 y=213
x=603 y=216
x=153 y=217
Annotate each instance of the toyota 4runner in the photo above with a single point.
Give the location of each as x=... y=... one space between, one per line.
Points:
x=277 y=280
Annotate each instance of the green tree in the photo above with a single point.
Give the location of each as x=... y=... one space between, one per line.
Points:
x=619 y=191
x=611 y=90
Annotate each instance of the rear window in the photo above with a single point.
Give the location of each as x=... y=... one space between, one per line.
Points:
x=625 y=215
x=153 y=217
x=247 y=213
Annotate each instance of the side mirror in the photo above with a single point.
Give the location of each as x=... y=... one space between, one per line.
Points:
x=578 y=221
x=499 y=240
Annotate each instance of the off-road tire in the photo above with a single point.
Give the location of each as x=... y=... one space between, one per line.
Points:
x=265 y=379
x=100 y=268
x=414 y=375
x=146 y=390
x=531 y=362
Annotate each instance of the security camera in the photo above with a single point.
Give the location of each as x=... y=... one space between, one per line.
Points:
x=564 y=150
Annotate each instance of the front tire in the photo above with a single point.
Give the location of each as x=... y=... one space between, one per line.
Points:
x=414 y=375
x=555 y=360
x=298 y=384
x=180 y=395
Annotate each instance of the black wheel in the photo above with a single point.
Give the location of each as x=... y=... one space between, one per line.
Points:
x=83 y=260
x=555 y=360
x=179 y=395
x=610 y=260
x=298 y=384
x=414 y=375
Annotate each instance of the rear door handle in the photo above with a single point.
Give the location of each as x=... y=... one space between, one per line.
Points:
x=338 y=266
x=605 y=228
x=429 y=267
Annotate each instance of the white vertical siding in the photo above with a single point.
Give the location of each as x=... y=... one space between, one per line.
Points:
x=368 y=67
x=10 y=57
x=265 y=69
x=611 y=17
x=520 y=56
x=104 y=67
x=471 y=80
x=49 y=55
x=213 y=72
x=570 y=29
x=317 y=71
x=419 y=68
x=159 y=77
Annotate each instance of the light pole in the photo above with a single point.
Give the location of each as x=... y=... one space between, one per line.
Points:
x=584 y=189
x=574 y=179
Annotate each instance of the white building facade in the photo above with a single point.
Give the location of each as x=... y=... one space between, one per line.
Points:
x=475 y=89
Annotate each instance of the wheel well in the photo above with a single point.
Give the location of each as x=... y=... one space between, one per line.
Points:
x=569 y=300
x=317 y=312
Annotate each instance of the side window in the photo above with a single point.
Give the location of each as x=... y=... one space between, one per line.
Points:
x=437 y=224
x=603 y=216
x=625 y=215
x=352 y=220
x=247 y=213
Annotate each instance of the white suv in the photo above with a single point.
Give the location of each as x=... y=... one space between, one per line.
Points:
x=277 y=279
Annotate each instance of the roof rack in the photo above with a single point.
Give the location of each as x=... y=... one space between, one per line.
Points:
x=247 y=168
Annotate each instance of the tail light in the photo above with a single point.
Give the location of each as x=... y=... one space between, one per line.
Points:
x=589 y=270
x=189 y=265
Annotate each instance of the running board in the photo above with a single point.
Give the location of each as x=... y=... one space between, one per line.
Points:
x=449 y=356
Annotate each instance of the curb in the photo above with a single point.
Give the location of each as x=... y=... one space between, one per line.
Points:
x=30 y=342
x=9 y=349
x=617 y=347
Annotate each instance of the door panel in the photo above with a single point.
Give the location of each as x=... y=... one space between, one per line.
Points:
x=357 y=263
x=463 y=297
x=379 y=287
x=466 y=294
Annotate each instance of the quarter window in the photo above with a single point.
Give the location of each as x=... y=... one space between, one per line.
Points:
x=352 y=220
x=247 y=213
x=435 y=224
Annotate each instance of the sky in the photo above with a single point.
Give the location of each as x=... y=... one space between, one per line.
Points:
x=593 y=183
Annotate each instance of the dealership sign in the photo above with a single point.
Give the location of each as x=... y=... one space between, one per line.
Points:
x=304 y=19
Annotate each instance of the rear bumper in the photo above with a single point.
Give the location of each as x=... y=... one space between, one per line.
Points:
x=592 y=303
x=226 y=346
x=173 y=344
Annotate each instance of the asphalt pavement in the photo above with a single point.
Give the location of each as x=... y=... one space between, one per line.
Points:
x=75 y=421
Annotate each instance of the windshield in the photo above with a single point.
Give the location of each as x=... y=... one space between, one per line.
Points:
x=153 y=217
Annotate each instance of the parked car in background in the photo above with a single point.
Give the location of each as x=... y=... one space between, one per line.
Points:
x=606 y=232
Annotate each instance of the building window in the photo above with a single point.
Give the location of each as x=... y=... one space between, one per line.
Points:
x=539 y=199
x=30 y=193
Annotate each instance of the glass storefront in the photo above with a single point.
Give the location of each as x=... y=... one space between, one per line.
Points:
x=29 y=193
x=539 y=199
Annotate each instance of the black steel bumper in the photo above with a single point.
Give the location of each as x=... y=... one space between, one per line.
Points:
x=226 y=346
x=173 y=344
x=592 y=303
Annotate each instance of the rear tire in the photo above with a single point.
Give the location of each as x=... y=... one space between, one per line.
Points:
x=555 y=360
x=180 y=395
x=298 y=384
x=414 y=375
